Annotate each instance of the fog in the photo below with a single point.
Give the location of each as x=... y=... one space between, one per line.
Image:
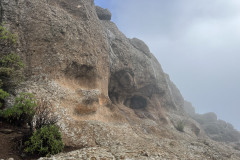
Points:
x=196 y=42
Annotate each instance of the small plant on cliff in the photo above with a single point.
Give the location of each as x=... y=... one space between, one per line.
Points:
x=44 y=115
x=6 y=37
x=11 y=71
x=45 y=141
x=22 y=111
x=11 y=65
x=180 y=126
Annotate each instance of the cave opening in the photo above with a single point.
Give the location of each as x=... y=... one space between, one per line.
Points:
x=84 y=74
x=121 y=85
x=138 y=102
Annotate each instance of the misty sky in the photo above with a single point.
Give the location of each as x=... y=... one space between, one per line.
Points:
x=197 y=42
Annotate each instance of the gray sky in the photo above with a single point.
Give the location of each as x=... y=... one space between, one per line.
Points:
x=197 y=42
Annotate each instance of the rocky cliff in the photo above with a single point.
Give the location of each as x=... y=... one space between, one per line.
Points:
x=110 y=92
x=215 y=128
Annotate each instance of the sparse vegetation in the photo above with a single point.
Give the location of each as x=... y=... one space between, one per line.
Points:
x=180 y=126
x=43 y=115
x=11 y=71
x=45 y=141
x=46 y=138
x=22 y=111
x=6 y=37
x=11 y=65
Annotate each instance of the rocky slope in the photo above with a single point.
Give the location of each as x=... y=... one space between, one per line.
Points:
x=110 y=93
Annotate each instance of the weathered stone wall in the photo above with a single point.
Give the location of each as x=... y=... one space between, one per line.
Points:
x=89 y=70
x=65 y=51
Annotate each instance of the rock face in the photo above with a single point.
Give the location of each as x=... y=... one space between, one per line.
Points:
x=110 y=92
x=175 y=94
x=86 y=67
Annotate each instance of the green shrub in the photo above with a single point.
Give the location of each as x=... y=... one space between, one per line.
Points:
x=12 y=61
x=11 y=71
x=3 y=95
x=180 y=126
x=7 y=37
x=22 y=111
x=11 y=65
x=45 y=141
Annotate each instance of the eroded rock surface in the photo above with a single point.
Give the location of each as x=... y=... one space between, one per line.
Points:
x=110 y=93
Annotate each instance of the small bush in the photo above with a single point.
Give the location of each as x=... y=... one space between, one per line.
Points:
x=45 y=141
x=22 y=111
x=44 y=115
x=180 y=126
x=7 y=37
x=12 y=61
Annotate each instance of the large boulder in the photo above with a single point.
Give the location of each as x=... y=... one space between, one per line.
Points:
x=140 y=45
x=209 y=117
x=103 y=14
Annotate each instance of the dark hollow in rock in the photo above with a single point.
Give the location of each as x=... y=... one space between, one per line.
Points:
x=121 y=84
x=84 y=74
x=138 y=102
x=114 y=97
x=103 y=14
